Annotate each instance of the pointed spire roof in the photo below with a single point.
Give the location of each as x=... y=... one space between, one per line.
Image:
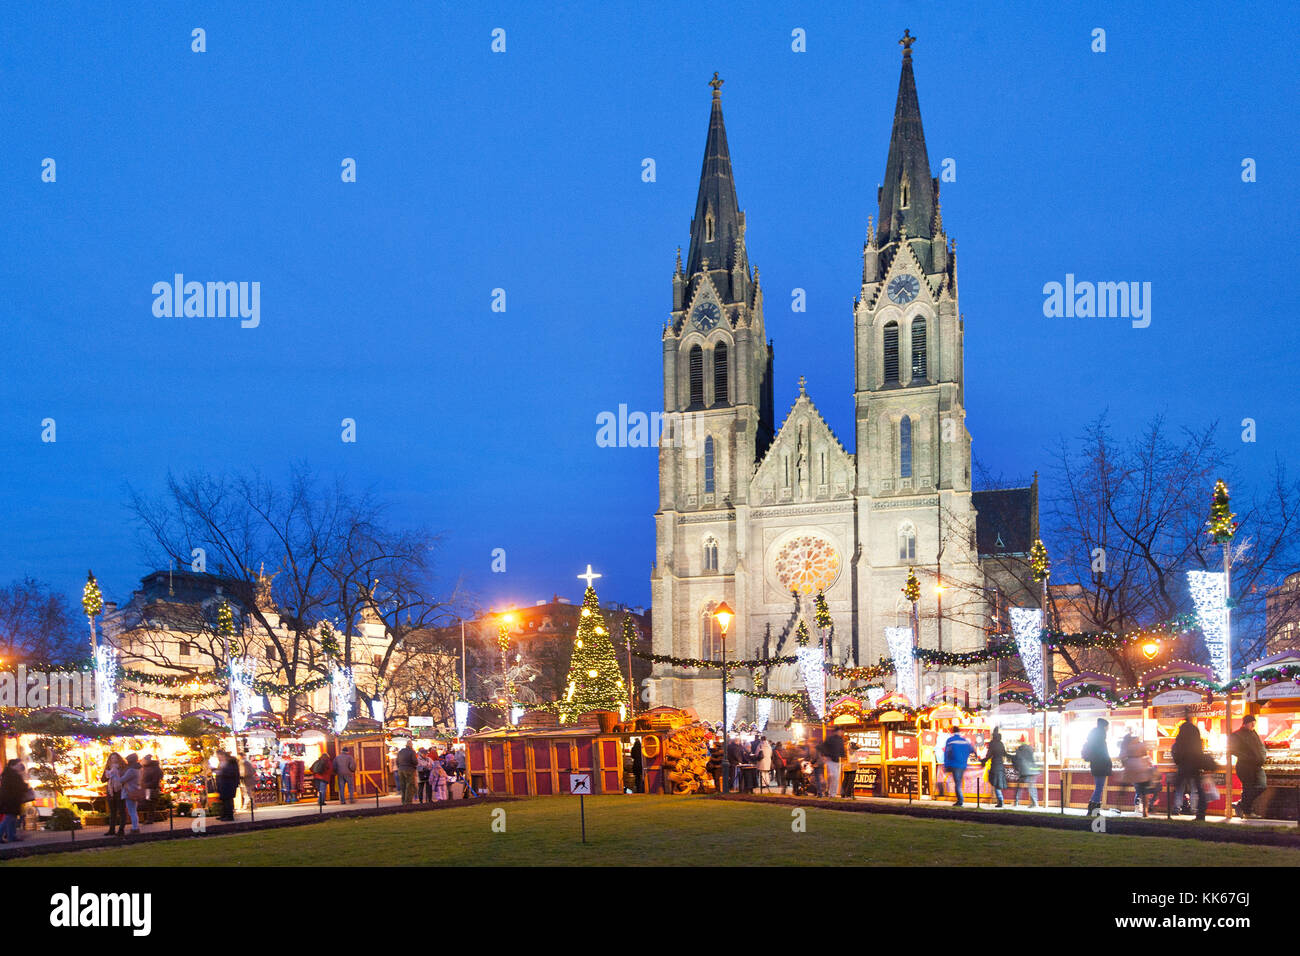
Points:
x=909 y=194
x=716 y=228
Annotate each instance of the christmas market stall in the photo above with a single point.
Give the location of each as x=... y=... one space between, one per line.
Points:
x=1081 y=700
x=368 y=743
x=538 y=757
x=1272 y=694
x=302 y=741
x=1172 y=692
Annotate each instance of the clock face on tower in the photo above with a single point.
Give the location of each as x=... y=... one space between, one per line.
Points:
x=706 y=316
x=903 y=289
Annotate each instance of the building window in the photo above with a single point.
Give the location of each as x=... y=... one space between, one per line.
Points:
x=920 y=369
x=711 y=643
x=710 y=554
x=708 y=465
x=905 y=448
x=786 y=461
x=907 y=543
x=708 y=226
x=186 y=648
x=891 y=353
x=823 y=463
x=720 y=374
x=697 y=376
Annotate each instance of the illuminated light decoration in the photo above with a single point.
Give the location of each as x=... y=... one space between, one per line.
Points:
x=105 y=683
x=874 y=694
x=516 y=712
x=92 y=601
x=912 y=589
x=823 y=612
x=899 y=640
x=1211 y=602
x=801 y=634
x=343 y=688
x=241 y=691
x=1039 y=563
x=377 y=709
x=700 y=662
x=810 y=668
x=733 y=707
x=1221 y=527
x=1027 y=625
x=762 y=712
x=594 y=681
x=1150 y=649
x=462 y=717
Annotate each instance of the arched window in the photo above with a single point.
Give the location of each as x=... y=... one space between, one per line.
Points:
x=708 y=465
x=697 y=376
x=905 y=448
x=907 y=542
x=708 y=226
x=710 y=635
x=710 y=554
x=920 y=369
x=720 y=374
x=891 y=353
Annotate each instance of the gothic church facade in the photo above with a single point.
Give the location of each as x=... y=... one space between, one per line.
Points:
x=764 y=515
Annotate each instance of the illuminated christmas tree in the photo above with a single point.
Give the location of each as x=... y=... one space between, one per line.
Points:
x=595 y=681
x=1221 y=525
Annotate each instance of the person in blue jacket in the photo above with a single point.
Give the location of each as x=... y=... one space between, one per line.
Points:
x=956 y=756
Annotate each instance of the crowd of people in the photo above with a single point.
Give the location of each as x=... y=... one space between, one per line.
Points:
x=424 y=775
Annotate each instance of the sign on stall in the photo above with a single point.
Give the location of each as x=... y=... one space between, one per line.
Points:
x=419 y=721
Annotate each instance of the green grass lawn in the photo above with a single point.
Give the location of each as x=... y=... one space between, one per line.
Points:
x=671 y=831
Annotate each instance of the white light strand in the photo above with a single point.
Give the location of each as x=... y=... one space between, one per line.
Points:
x=241 y=691
x=462 y=717
x=733 y=705
x=762 y=712
x=874 y=694
x=105 y=683
x=343 y=688
x=1211 y=600
x=516 y=712
x=899 y=640
x=1027 y=625
x=377 y=709
x=810 y=668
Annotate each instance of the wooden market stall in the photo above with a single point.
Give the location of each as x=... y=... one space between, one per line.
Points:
x=1171 y=692
x=1273 y=696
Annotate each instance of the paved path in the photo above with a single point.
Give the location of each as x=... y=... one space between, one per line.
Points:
x=304 y=811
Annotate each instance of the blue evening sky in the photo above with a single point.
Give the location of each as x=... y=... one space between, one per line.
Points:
x=522 y=171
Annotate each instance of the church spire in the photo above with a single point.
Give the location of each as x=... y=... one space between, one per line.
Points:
x=909 y=195
x=716 y=230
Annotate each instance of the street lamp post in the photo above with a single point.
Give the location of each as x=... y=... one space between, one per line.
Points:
x=723 y=616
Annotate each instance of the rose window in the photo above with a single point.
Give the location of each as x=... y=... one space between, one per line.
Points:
x=807 y=564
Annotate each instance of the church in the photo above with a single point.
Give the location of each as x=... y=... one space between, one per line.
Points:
x=764 y=515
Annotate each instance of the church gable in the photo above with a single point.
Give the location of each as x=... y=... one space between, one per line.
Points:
x=805 y=462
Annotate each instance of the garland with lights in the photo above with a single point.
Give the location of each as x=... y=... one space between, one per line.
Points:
x=995 y=652
x=884 y=668
x=1183 y=624
x=699 y=662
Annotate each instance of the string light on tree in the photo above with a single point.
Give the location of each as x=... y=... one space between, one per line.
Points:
x=823 y=612
x=1039 y=563
x=1221 y=526
x=595 y=681
x=912 y=589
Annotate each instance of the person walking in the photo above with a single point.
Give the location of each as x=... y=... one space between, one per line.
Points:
x=834 y=752
x=1097 y=753
x=407 y=762
x=227 y=783
x=817 y=770
x=438 y=781
x=995 y=758
x=713 y=766
x=736 y=758
x=1245 y=745
x=638 y=767
x=778 y=766
x=14 y=792
x=764 y=763
x=956 y=757
x=345 y=771
x=1027 y=770
x=248 y=780
x=132 y=791
x=112 y=780
x=321 y=771
x=286 y=781
x=151 y=776
x=1138 y=770
x=423 y=764
x=1189 y=759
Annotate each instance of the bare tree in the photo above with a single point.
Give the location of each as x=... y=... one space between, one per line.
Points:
x=38 y=625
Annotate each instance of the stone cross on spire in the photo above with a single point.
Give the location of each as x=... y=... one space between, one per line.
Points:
x=905 y=43
x=716 y=83
x=589 y=576
x=802 y=392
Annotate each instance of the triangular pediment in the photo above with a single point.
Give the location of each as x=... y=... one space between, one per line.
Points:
x=806 y=446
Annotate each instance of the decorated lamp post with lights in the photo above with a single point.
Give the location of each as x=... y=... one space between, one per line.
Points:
x=912 y=593
x=104 y=658
x=503 y=642
x=629 y=638
x=1212 y=593
x=1040 y=566
x=723 y=615
x=822 y=618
